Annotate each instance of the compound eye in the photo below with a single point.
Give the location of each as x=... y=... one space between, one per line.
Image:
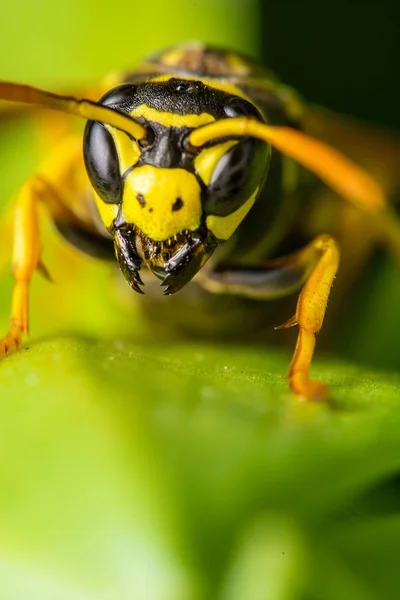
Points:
x=237 y=175
x=238 y=107
x=121 y=97
x=101 y=160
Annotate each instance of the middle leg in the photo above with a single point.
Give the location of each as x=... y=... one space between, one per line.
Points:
x=314 y=267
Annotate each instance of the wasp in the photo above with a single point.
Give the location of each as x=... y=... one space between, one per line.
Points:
x=197 y=153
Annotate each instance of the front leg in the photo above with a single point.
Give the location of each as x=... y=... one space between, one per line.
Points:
x=26 y=259
x=60 y=187
x=314 y=267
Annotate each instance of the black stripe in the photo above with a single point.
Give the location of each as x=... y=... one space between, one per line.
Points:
x=177 y=96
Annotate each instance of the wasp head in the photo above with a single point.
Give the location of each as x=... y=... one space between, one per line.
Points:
x=167 y=206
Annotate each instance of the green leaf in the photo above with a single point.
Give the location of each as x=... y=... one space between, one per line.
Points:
x=142 y=468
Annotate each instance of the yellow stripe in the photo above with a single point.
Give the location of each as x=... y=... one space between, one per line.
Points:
x=108 y=212
x=127 y=149
x=207 y=160
x=218 y=84
x=171 y=119
x=224 y=227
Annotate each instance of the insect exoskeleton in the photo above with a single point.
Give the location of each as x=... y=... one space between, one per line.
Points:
x=169 y=205
x=194 y=146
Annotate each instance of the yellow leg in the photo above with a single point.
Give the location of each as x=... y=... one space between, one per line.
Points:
x=26 y=259
x=309 y=317
x=313 y=268
x=62 y=188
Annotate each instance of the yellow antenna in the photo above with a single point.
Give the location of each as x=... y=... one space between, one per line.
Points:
x=86 y=109
x=340 y=173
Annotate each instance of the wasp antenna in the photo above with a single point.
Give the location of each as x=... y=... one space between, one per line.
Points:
x=340 y=173
x=86 y=109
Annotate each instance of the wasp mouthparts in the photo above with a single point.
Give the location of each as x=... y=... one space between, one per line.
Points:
x=174 y=261
x=128 y=258
x=180 y=258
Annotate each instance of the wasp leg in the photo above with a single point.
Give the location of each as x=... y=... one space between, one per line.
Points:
x=314 y=266
x=62 y=186
x=26 y=259
x=309 y=317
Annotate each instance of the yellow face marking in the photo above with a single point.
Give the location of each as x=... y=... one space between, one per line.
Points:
x=223 y=227
x=207 y=160
x=162 y=202
x=127 y=150
x=171 y=119
x=108 y=212
x=220 y=84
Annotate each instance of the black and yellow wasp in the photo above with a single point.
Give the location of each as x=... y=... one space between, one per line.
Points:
x=197 y=153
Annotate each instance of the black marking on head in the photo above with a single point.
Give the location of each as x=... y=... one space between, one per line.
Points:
x=167 y=147
x=178 y=96
x=168 y=150
x=141 y=200
x=177 y=205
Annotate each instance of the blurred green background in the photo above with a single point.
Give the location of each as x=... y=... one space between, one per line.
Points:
x=175 y=470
